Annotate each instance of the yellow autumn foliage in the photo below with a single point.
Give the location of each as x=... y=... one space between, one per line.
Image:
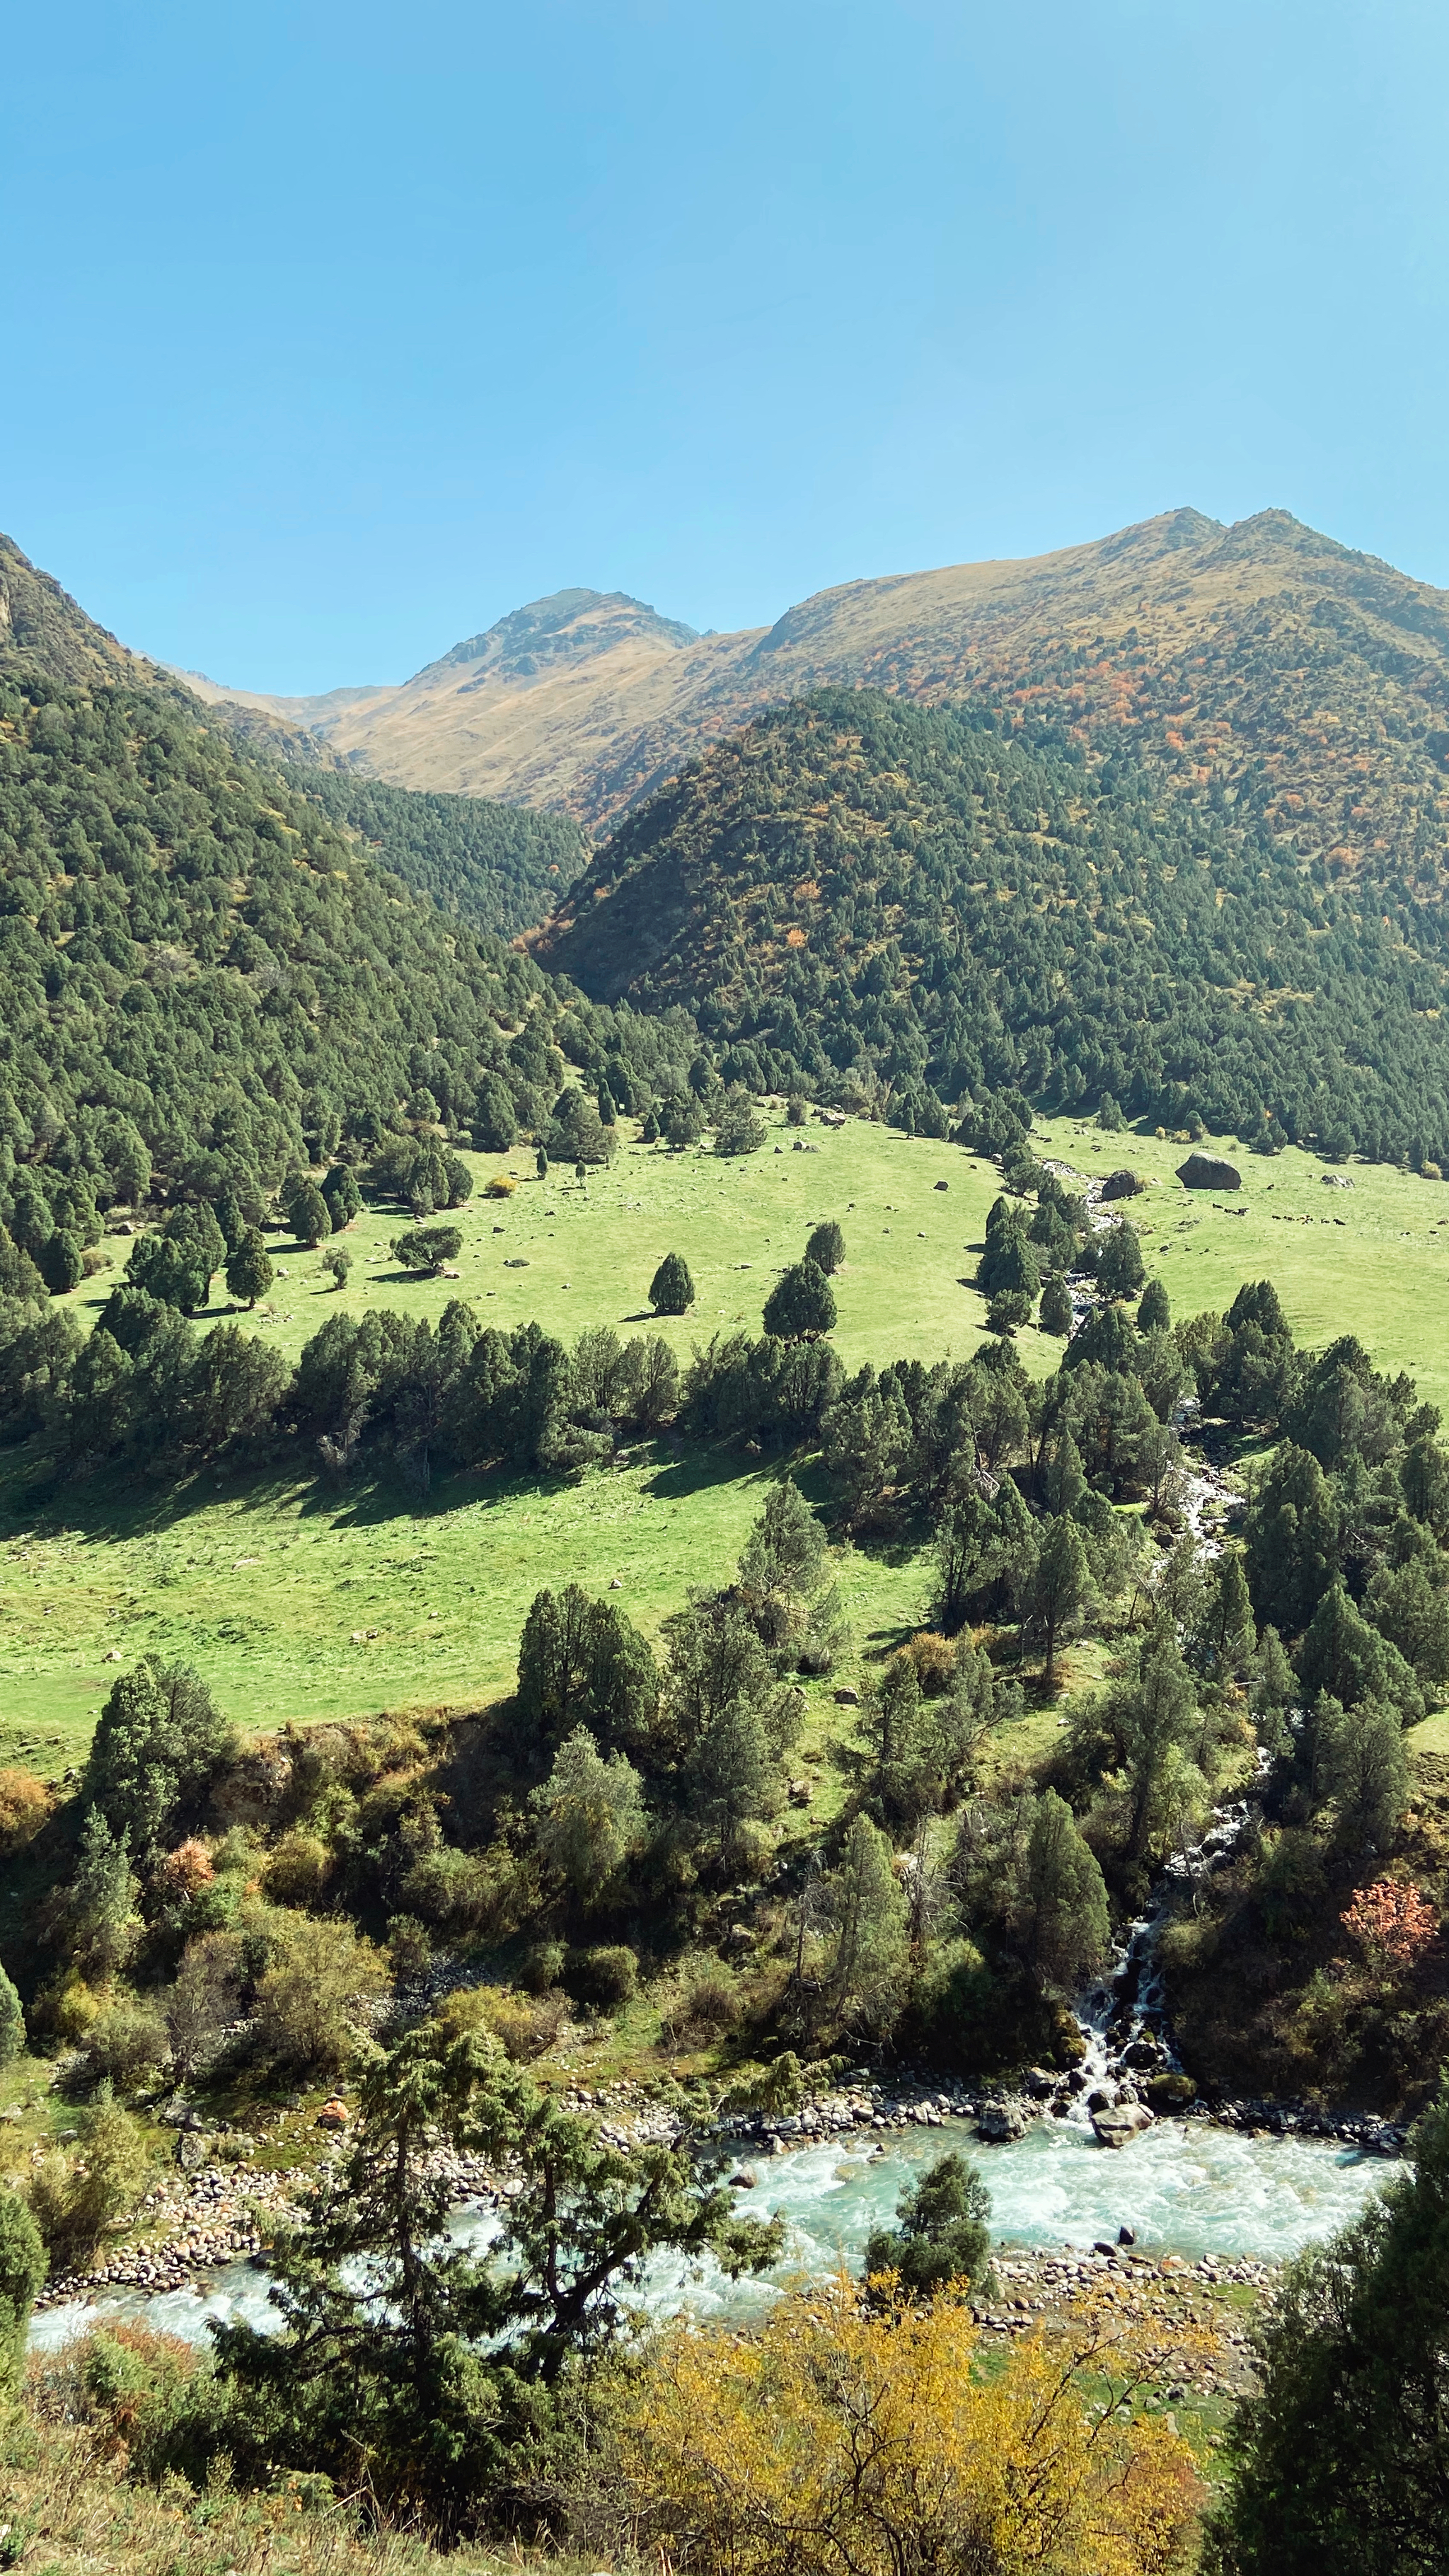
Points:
x=846 y=2440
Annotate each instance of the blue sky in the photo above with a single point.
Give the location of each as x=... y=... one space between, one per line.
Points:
x=334 y=332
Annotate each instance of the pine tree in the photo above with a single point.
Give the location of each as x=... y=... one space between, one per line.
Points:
x=1121 y=1270
x=943 y=2235
x=1154 y=1314
x=1070 y=1924
x=801 y=1305
x=826 y=1247
x=1337 y=2461
x=871 y=1948
x=22 y=2270
x=671 y=1290
x=249 y=1271
x=1058 y=1591
x=12 y=2021
x=1055 y=1312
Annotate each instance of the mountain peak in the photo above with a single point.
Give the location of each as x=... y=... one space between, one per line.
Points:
x=569 y=626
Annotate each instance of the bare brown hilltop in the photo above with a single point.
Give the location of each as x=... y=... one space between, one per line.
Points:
x=1260 y=656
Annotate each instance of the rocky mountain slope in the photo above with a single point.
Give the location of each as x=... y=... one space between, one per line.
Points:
x=1261 y=662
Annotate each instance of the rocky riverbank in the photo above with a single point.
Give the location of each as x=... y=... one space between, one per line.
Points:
x=219 y=2208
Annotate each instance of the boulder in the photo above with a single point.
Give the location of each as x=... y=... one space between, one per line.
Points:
x=333 y=2114
x=1117 y=2127
x=1001 y=2123
x=1209 y=1172
x=1122 y=1185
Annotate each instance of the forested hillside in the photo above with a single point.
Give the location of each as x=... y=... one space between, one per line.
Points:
x=498 y=867
x=204 y=984
x=906 y=906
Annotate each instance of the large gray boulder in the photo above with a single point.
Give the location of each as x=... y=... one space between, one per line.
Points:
x=1119 y=2125
x=1209 y=1172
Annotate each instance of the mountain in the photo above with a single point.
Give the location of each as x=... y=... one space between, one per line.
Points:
x=1261 y=662
x=44 y=632
x=908 y=906
x=509 y=714
x=206 y=975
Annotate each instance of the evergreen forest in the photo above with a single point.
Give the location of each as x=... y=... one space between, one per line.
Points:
x=903 y=909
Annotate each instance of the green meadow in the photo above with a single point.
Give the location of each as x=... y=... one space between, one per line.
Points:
x=298 y=1600
x=302 y=1600
x=1371 y=1260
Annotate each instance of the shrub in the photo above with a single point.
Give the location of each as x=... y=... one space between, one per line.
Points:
x=525 y=2025
x=25 y=1804
x=409 y=1948
x=603 y=1980
x=934 y=1660
x=339 y=1262
x=204 y=1998
x=671 y=1290
x=138 y=2391
x=128 y=2043
x=310 y=2005
x=184 y=1872
x=297 y=1869
x=543 y=1967
x=428 y=1247
x=76 y=2204
x=502 y=1186
x=708 y=2003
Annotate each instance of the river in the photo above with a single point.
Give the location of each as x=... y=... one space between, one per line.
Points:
x=1185 y=2187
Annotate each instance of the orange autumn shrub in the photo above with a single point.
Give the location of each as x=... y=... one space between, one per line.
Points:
x=1394 y=1923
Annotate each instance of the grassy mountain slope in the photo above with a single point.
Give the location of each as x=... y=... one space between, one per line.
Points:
x=1261 y=661
x=908 y=901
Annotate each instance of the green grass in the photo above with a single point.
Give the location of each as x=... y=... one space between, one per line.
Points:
x=297 y=1603
x=266 y=1585
x=1383 y=1272
x=592 y=1250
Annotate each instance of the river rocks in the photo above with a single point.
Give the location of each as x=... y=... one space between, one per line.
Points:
x=1209 y=1172
x=1123 y=2122
x=1001 y=2123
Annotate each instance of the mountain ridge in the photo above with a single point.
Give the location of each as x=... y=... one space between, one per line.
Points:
x=1259 y=660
